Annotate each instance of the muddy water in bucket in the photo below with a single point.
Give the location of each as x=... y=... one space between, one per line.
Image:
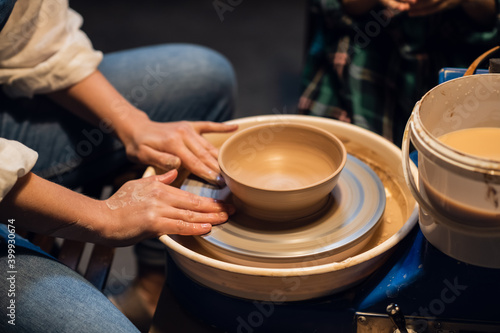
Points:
x=458 y=191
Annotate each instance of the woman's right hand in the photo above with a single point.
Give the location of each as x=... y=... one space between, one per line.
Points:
x=149 y=207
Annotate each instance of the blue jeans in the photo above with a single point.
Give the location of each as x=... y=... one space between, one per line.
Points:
x=168 y=82
x=45 y=296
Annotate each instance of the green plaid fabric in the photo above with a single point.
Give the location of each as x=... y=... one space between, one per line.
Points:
x=371 y=70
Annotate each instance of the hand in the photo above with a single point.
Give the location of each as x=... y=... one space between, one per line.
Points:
x=398 y=5
x=164 y=145
x=149 y=207
x=167 y=145
x=428 y=7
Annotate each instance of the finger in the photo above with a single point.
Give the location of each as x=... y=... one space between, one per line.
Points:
x=179 y=227
x=399 y=6
x=196 y=217
x=207 y=127
x=396 y=5
x=167 y=178
x=212 y=127
x=402 y=7
x=162 y=160
x=181 y=199
x=196 y=166
x=214 y=152
x=199 y=149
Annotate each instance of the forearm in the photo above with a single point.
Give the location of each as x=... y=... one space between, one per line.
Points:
x=47 y=208
x=482 y=11
x=95 y=100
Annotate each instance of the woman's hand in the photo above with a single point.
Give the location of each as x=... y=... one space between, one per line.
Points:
x=140 y=209
x=167 y=145
x=420 y=7
x=398 y=5
x=164 y=145
x=149 y=207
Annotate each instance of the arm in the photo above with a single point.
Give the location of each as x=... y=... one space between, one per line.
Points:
x=56 y=58
x=164 y=145
x=141 y=209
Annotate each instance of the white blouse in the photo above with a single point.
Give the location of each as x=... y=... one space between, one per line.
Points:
x=16 y=160
x=42 y=49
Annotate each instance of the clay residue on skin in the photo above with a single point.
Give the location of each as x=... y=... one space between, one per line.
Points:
x=115 y=202
x=138 y=192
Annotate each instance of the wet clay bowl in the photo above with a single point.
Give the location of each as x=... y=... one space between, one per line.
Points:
x=281 y=172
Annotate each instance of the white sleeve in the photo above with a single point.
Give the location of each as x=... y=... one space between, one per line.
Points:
x=16 y=160
x=42 y=49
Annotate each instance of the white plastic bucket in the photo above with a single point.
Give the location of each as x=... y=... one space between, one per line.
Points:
x=458 y=194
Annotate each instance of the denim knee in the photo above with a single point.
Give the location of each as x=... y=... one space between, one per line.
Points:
x=220 y=79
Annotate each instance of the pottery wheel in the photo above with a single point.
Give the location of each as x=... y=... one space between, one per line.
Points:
x=345 y=224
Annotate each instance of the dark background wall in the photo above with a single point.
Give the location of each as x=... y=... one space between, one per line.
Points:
x=264 y=40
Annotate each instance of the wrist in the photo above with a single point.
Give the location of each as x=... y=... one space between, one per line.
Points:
x=90 y=226
x=125 y=122
x=103 y=221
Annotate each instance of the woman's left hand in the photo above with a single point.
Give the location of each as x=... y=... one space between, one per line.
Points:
x=167 y=145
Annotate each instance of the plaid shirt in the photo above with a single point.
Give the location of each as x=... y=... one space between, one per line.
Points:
x=371 y=70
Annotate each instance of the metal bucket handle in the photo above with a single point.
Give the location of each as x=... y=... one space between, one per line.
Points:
x=477 y=62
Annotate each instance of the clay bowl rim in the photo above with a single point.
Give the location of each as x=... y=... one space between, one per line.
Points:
x=378 y=251
x=323 y=181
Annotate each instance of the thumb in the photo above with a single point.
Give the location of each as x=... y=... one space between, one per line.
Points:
x=162 y=160
x=168 y=177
